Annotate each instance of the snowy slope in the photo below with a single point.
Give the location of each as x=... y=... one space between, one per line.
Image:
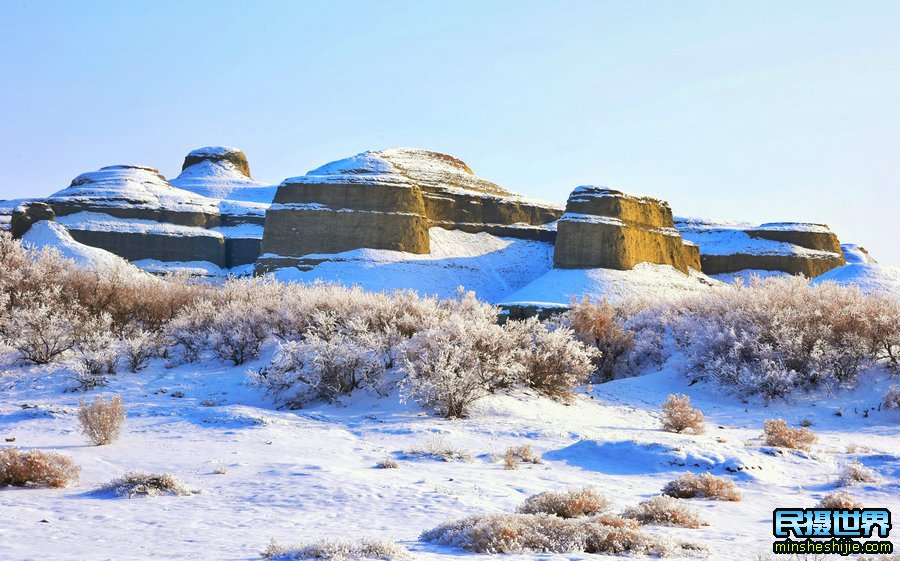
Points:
x=869 y=277
x=646 y=280
x=720 y=237
x=304 y=475
x=47 y=234
x=216 y=177
x=489 y=265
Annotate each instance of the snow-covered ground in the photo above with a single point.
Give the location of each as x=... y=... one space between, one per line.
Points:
x=303 y=475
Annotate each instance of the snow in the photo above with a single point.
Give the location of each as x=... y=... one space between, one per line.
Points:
x=744 y=276
x=193 y=268
x=101 y=222
x=795 y=227
x=489 y=265
x=646 y=280
x=221 y=179
x=48 y=234
x=856 y=254
x=299 y=476
x=869 y=277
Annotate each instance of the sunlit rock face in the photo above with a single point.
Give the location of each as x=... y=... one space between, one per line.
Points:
x=221 y=172
x=605 y=228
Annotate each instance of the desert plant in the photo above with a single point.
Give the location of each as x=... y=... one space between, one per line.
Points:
x=35 y=468
x=515 y=455
x=437 y=449
x=566 y=504
x=891 y=398
x=665 y=511
x=840 y=500
x=854 y=473
x=678 y=416
x=102 y=420
x=555 y=362
x=545 y=533
x=598 y=323
x=139 y=484
x=776 y=432
x=338 y=550
x=704 y=486
x=388 y=463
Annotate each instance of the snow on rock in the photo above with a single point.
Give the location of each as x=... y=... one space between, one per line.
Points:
x=47 y=234
x=489 y=265
x=221 y=172
x=646 y=280
x=856 y=254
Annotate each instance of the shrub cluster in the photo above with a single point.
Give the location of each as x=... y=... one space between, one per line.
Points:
x=34 y=468
x=567 y=504
x=338 y=550
x=664 y=510
x=139 y=484
x=840 y=500
x=769 y=337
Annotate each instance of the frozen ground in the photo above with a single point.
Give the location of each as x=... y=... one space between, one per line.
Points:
x=303 y=475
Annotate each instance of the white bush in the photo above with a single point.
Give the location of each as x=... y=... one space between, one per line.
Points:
x=338 y=550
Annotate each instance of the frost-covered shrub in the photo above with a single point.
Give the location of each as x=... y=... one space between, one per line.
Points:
x=139 y=484
x=555 y=362
x=854 y=473
x=338 y=550
x=566 y=504
x=678 y=415
x=779 y=334
x=43 y=327
x=437 y=449
x=545 y=533
x=515 y=455
x=388 y=463
x=840 y=500
x=703 y=486
x=35 y=468
x=97 y=349
x=138 y=348
x=891 y=398
x=665 y=511
x=102 y=420
x=776 y=432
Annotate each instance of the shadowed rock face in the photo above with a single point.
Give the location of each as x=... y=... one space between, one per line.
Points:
x=24 y=216
x=604 y=228
x=388 y=200
x=234 y=156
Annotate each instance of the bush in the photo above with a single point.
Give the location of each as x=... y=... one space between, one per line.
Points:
x=891 y=398
x=555 y=362
x=854 y=473
x=102 y=420
x=139 y=484
x=515 y=455
x=567 y=504
x=338 y=550
x=437 y=450
x=679 y=416
x=545 y=533
x=388 y=464
x=703 y=486
x=665 y=511
x=776 y=432
x=34 y=468
x=839 y=500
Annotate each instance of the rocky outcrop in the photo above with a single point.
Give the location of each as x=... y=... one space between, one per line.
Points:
x=133 y=212
x=28 y=214
x=388 y=200
x=791 y=247
x=221 y=172
x=604 y=228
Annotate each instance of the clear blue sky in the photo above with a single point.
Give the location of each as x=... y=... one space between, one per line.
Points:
x=762 y=111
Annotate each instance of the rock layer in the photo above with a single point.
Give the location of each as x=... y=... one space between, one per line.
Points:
x=604 y=228
x=222 y=173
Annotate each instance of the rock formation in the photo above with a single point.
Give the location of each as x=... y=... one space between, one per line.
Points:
x=389 y=200
x=221 y=172
x=27 y=214
x=134 y=212
x=604 y=228
x=791 y=247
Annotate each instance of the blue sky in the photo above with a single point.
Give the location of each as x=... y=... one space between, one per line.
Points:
x=762 y=111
